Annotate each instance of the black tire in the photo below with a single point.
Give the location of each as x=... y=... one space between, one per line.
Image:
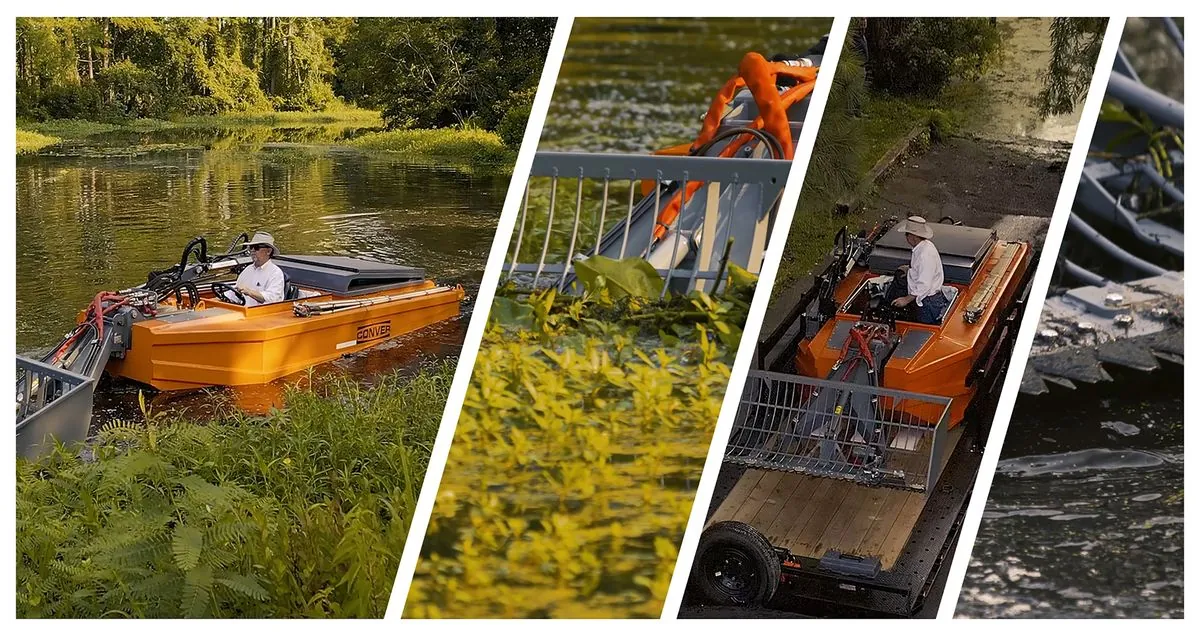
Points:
x=735 y=565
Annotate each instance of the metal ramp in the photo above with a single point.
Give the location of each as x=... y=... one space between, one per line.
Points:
x=869 y=435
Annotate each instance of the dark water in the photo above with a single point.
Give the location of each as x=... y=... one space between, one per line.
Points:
x=1085 y=516
x=102 y=214
x=637 y=84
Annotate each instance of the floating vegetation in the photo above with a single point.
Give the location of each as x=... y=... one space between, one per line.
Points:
x=577 y=454
x=470 y=145
x=302 y=513
x=31 y=142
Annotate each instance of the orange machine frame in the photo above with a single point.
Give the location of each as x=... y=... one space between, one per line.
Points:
x=944 y=362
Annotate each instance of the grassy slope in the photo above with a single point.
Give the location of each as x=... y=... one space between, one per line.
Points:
x=30 y=142
x=300 y=513
x=462 y=145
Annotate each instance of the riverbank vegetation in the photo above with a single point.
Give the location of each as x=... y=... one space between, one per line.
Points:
x=150 y=73
x=897 y=75
x=574 y=465
x=478 y=146
x=29 y=141
x=301 y=513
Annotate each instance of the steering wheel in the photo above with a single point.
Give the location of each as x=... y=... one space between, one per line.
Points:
x=219 y=290
x=881 y=310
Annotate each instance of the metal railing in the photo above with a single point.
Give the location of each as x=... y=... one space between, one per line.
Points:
x=612 y=204
x=52 y=404
x=870 y=435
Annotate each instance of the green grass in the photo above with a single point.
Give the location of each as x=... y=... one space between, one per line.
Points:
x=30 y=142
x=341 y=116
x=82 y=128
x=301 y=513
x=467 y=147
x=472 y=146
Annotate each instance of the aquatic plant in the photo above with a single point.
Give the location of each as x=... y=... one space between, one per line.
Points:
x=302 y=513
x=473 y=145
x=576 y=457
x=31 y=142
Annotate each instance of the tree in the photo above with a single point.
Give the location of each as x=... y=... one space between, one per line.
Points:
x=920 y=56
x=443 y=71
x=419 y=72
x=1074 y=45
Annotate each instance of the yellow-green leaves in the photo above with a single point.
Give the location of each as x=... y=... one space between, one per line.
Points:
x=574 y=463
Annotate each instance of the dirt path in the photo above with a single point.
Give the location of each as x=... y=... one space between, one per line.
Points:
x=983 y=183
x=1011 y=186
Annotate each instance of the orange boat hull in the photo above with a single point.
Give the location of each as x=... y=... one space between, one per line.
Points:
x=943 y=364
x=224 y=344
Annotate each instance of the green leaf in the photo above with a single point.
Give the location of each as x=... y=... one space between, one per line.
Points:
x=626 y=277
x=507 y=312
x=186 y=545
x=245 y=585
x=197 y=589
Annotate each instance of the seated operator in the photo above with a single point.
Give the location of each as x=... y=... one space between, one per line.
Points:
x=923 y=275
x=261 y=282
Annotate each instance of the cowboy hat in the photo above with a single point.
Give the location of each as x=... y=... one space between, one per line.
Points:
x=916 y=226
x=262 y=238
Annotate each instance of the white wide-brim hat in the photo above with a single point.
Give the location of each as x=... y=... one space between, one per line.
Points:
x=916 y=226
x=262 y=238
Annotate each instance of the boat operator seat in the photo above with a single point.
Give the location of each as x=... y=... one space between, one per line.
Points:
x=290 y=291
x=891 y=287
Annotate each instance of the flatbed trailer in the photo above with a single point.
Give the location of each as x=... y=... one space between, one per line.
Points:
x=912 y=535
x=845 y=546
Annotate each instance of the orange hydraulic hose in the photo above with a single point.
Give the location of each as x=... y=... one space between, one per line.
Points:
x=759 y=76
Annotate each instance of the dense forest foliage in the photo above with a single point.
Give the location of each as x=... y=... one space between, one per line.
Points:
x=418 y=72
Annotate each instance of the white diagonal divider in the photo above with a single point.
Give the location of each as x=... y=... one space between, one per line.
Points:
x=1037 y=296
x=483 y=305
x=758 y=309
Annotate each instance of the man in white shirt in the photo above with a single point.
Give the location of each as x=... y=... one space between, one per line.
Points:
x=924 y=276
x=261 y=282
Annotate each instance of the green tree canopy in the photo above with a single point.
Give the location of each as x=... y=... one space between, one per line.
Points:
x=920 y=56
x=419 y=72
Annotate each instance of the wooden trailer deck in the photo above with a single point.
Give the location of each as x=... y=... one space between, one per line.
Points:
x=811 y=515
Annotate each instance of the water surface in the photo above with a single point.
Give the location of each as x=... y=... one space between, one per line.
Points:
x=1085 y=516
x=636 y=85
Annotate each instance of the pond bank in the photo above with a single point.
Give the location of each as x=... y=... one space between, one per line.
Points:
x=1000 y=105
x=358 y=128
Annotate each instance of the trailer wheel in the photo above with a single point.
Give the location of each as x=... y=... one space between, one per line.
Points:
x=735 y=565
